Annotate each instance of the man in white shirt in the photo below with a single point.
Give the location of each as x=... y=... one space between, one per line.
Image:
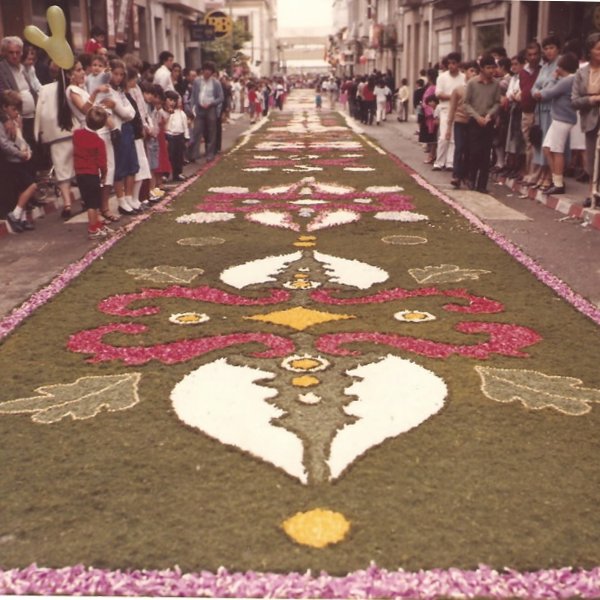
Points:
x=162 y=76
x=446 y=83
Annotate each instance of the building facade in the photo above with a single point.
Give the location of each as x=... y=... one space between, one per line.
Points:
x=259 y=19
x=406 y=36
x=147 y=27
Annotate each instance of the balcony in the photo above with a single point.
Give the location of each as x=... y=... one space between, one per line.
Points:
x=453 y=5
x=197 y=6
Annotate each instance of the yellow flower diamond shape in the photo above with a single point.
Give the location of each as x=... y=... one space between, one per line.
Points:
x=299 y=318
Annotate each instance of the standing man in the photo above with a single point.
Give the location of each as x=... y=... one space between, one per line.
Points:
x=13 y=76
x=207 y=100
x=482 y=102
x=446 y=83
x=162 y=76
x=527 y=76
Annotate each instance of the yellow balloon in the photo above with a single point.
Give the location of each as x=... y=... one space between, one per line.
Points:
x=55 y=45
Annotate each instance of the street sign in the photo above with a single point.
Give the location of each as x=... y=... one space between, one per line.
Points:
x=220 y=21
x=202 y=33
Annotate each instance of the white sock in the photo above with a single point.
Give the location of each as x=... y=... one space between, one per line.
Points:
x=137 y=186
x=129 y=203
x=18 y=213
x=123 y=203
x=558 y=180
x=133 y=202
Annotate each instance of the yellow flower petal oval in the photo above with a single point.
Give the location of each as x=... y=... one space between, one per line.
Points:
x=317 y=528
x=305 y=381
x=305 y=364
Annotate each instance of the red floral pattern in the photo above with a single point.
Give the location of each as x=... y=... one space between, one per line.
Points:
x=91 y=342
x=477 y=304
x=117 y=305
x=504 y=339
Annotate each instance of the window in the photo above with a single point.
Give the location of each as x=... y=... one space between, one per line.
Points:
x=487 y=36
x=245 y=23
x=444 y=43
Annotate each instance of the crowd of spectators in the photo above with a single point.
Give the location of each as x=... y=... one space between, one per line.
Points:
x=151 y=119
x=532 y=117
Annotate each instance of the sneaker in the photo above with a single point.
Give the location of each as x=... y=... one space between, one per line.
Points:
x=26 y=225
x=180 y=177
x=66 y=213
x=97 y=234
x=15 y=224
x=555 y=189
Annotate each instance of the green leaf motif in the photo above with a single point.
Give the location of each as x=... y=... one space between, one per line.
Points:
x=166 y=274
x=82 y=399
x=445 y=274
x=537 y=390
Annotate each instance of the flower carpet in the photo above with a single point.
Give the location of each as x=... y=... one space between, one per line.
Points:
x=307 y=374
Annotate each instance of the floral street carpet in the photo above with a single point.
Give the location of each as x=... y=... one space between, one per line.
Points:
x=308 y=361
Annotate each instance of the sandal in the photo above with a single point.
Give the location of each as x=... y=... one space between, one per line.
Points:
x=106 y=214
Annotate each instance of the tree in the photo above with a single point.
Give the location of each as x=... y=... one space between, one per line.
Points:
x=224 y=48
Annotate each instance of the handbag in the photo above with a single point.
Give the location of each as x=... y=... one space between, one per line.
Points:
x=535 y=132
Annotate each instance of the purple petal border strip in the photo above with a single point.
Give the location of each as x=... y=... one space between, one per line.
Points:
x=552 y=281
x=60 y=282
x=369 y=583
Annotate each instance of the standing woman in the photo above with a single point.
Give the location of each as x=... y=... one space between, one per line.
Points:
x=53 y=125
x=545 y=78
x=425 y=135
x=585 y=98
x=79 y=102
x=515 y=145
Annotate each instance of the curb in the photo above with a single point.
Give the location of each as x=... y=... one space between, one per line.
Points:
x=49 y=207
x=570 y=208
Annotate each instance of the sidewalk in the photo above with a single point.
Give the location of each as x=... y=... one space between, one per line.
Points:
x=33 y=258
x=569 y=204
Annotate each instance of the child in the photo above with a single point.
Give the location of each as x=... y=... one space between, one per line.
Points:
x=98 y=74
x=154 y=96
x=164 y=164
x=403 y=96
x=17 y=153
x=252 y=97
x=431 y=116
x=382 y=93
x=123 y=139
x=177 y=132
x=136 y=99
x=318 y=100
x=89 y=159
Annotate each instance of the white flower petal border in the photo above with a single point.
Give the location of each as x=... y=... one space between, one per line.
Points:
x=204 y=217
x=484 y=582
